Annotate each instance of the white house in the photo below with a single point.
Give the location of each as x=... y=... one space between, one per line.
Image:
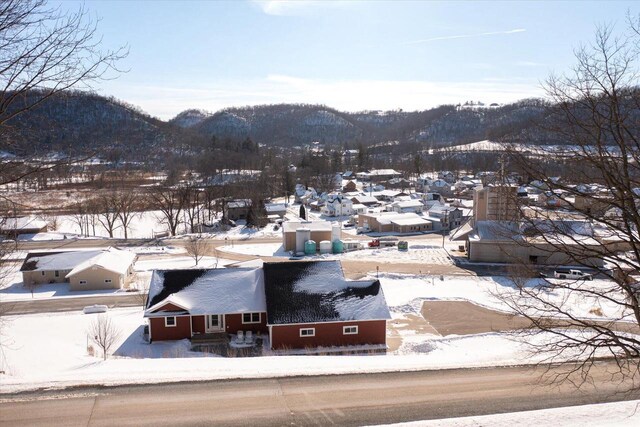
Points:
x=337 y=205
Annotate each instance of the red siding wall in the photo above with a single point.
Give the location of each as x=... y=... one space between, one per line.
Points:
x=160 y=333
x=233 y=324
x=328 y=335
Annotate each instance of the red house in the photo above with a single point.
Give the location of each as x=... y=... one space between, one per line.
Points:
x=184 y=303
x=311 y=304
x=300 y=305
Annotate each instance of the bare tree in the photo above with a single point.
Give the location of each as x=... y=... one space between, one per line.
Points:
x=594 y=119
x=108 y=213
x=170 y=203
x=125 y=204
x=46 y=51
x=104 y=333
x=196 y=247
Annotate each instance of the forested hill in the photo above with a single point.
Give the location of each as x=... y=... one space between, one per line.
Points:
x=81 y=122
x=296 y=124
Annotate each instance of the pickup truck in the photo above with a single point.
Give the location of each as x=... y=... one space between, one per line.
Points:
x=572 y=274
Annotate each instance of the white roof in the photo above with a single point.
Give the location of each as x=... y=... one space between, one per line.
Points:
x=410 y=221
x=408 y=204
x=58 y=261
x=365 y=199
x=218 y=291
x=292 y=226
x=111 y=259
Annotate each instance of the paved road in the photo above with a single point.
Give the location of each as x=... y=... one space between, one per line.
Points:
x=325 y=400
x=68 y=304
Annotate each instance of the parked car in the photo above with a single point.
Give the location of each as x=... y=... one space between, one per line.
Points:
x=348 y=225
x=572 y=274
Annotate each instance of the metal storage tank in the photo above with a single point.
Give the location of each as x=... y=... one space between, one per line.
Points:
x=325 y=247
x=310 y=247
x=335 y=232
x=338 y=247
x=302 y=235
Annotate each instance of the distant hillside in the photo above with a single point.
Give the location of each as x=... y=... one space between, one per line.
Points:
x=189 y=118
x=293 y=124
x=77 y=122
x=84 y=122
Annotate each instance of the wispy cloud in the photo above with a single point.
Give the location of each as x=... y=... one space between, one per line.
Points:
x=298 y=7
x=467 y=36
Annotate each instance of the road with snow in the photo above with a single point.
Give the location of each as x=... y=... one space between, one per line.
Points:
x=323 y=400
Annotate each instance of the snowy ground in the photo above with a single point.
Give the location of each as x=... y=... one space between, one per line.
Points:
x=64 y=338
x=146 y=225
x=417 y=253
x=618 y=414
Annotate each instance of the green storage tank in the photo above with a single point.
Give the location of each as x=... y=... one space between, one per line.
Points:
x=338 y=246
x=310 y=247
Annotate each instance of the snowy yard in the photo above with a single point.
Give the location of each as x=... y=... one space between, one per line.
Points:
x=63 y=336
x=417 y=253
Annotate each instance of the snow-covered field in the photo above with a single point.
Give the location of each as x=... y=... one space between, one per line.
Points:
x=64 y=338
x=615 y=414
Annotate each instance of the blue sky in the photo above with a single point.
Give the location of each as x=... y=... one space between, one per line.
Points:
x=348 y=55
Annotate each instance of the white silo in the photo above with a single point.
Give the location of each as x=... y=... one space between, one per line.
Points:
x=302 y=235
x=335 y=232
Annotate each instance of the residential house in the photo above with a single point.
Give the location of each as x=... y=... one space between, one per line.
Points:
x=445 y=217
x=83 y=270
x=311 y=304
x=405 y=206
x=349 y=187
x=275 y=210
x=378 y=175
x=365 y=200
x=237 y=209
x=185 y=303
x=13 y=227
x=299 y=304
x=337 y=205
x=447 y=176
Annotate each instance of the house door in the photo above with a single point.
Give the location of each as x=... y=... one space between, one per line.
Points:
x=215 y=323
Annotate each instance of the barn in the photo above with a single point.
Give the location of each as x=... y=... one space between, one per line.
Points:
x=311 y=304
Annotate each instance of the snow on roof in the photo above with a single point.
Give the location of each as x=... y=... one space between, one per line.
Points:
x=23 y=223
x=385 y=218
x=217 y=291
x=410 y=221
x=495 y=230
x=111 y=259
x=275 y=207
x=365 y=199
x=376 y=172
x=47 y=261
x=408 y=204
x=292 y=226
x=316 y=291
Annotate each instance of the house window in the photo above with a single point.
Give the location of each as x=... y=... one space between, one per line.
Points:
x=107 y=280
x=308 y=332
x=170 y=321
x=42 y=272
x=83 y=282
x=251 y=318
x=56 y=273
x=349 y=330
